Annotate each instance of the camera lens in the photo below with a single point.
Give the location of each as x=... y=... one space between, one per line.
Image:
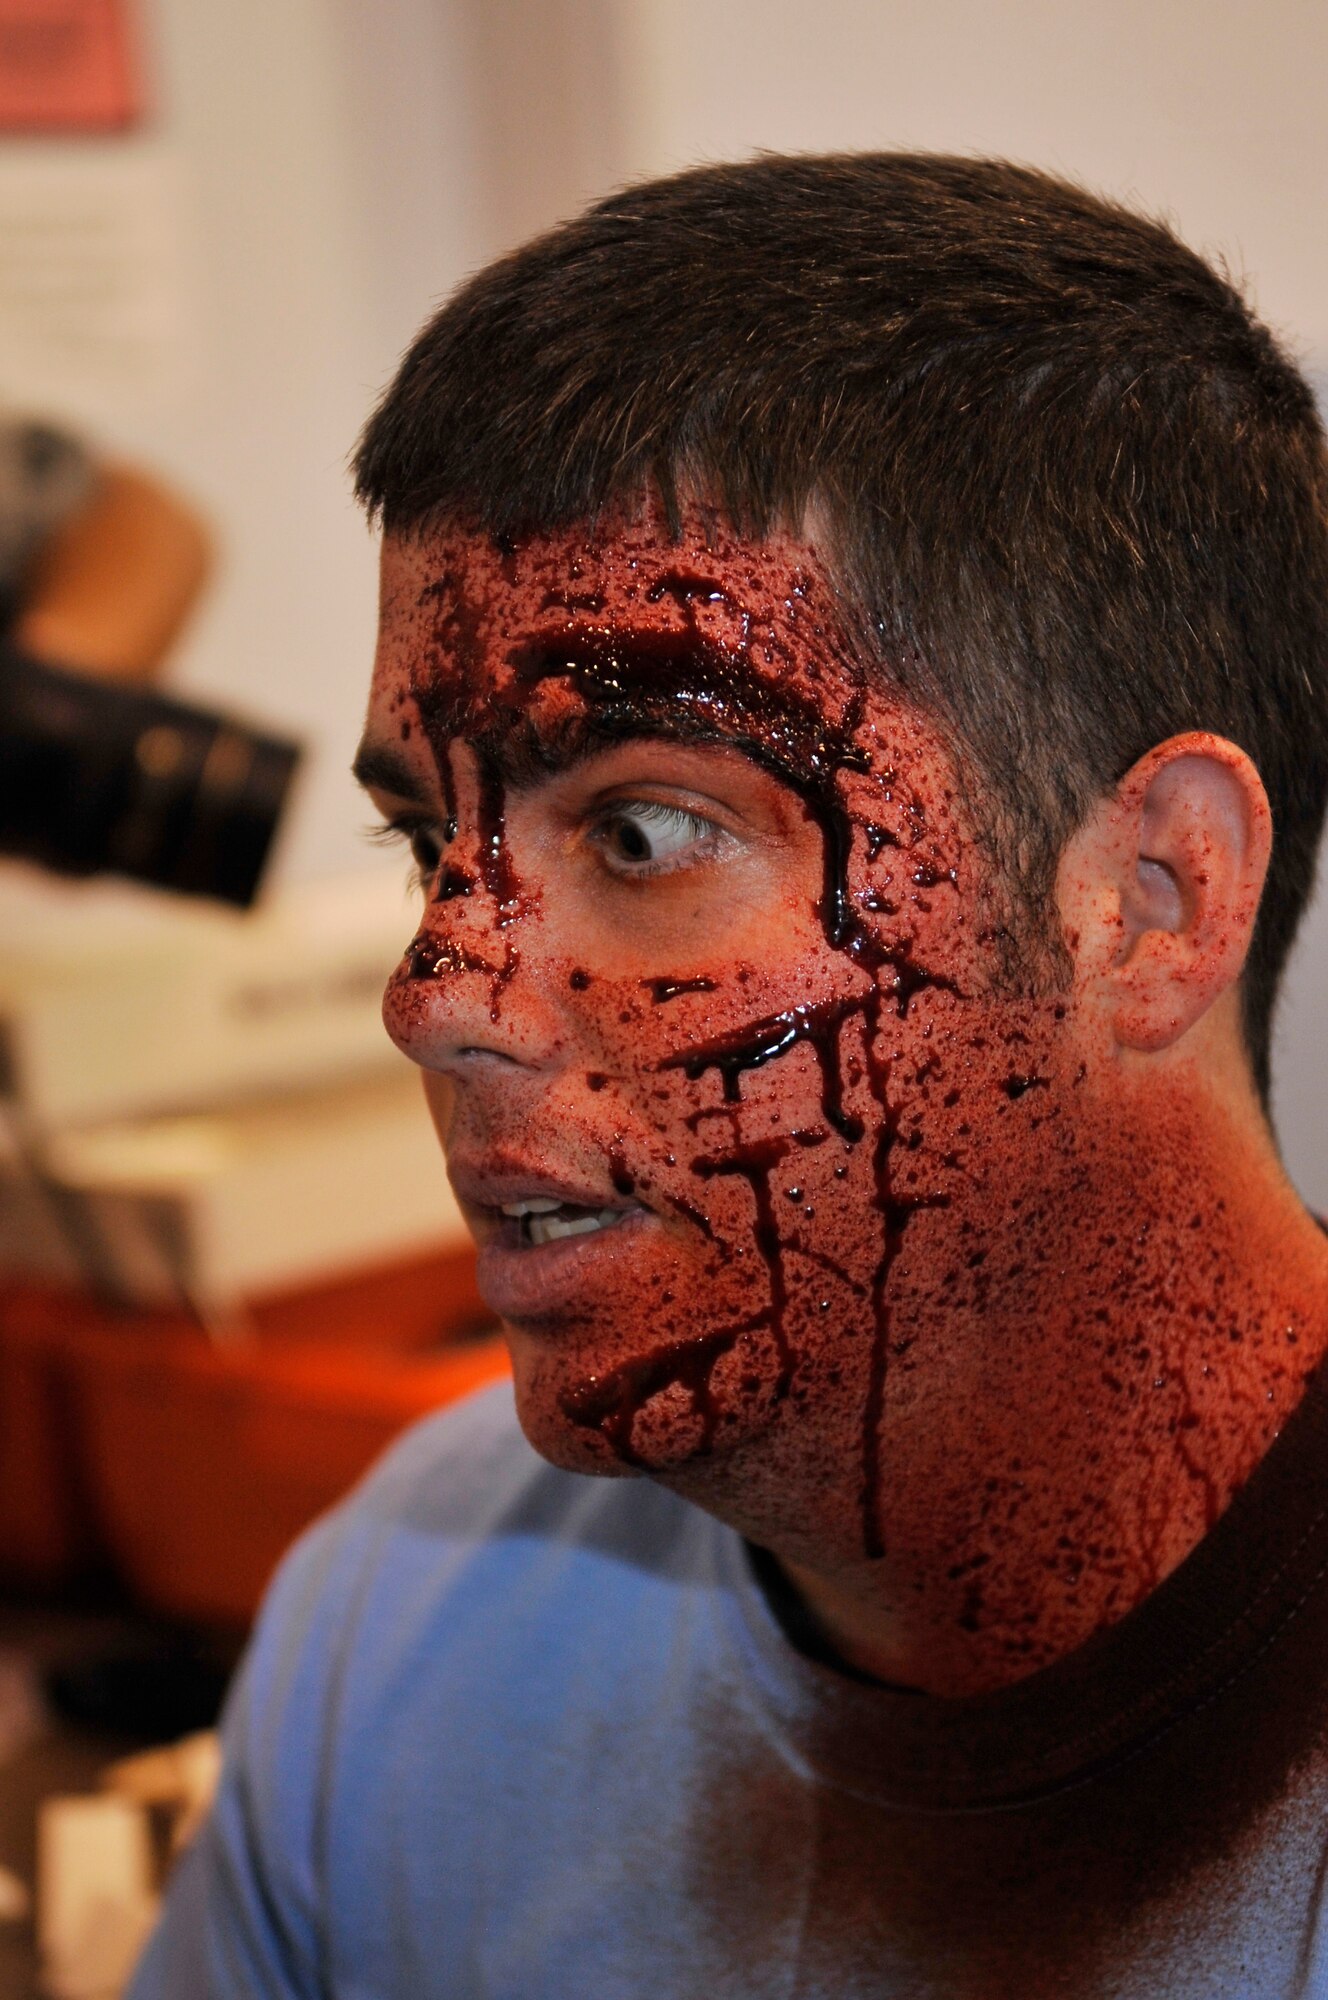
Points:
x=98 y=777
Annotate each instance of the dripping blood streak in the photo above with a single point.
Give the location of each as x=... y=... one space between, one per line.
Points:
x=494 y=861
x=878 y=1077
x=750 y=1047
x=432 y=715
x=907 y=977
x=457 y=636
x=501 y=977
x=447 y=782
x=835 y=911
x=430 y=957
x=497 y=873
x=895 y=1212
x=755 y=1163
x=453 y=882
x=661 y=990
x=440 y=958
x=610 y=1403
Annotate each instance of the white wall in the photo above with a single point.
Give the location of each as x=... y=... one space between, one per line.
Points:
x=339 y=165
x=344 y=162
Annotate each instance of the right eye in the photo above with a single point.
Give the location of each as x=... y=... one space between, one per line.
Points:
x=639 y=838
x=425 y=838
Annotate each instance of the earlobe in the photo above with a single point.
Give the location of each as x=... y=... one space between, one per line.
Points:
x=1176 y=861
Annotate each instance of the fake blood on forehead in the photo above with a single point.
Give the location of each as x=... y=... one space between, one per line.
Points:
x=797 y=719
x=656 y=681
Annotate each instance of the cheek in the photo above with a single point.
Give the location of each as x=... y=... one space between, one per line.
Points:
x=691 y=1045
x=707 y=1331
x=830 y=1251
x=440 y=1096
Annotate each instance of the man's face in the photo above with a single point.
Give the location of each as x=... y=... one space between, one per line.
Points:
x=704 y=994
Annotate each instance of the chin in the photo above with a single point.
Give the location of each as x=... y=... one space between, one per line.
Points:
x=610 y=1419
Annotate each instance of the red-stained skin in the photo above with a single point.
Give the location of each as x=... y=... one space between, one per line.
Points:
x=918 y=1285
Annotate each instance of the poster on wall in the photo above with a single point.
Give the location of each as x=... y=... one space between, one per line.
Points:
x=68 y=67
x=91 y=280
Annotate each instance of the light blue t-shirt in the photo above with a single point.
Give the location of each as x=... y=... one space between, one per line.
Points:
x=508 y=1732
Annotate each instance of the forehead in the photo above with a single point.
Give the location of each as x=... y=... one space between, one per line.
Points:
x=705 y=613
x=608 y=569
x=627 y=630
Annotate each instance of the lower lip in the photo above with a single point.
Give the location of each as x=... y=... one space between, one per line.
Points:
x=540 y=1281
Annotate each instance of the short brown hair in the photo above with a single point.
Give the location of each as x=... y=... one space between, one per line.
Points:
x=1074 y=489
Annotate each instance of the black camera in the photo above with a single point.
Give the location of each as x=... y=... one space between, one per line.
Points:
x=99 y=777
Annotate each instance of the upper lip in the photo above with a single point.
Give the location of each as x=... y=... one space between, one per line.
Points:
x=492 y=1187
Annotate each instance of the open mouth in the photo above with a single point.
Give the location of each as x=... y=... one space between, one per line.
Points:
x=531 y=1223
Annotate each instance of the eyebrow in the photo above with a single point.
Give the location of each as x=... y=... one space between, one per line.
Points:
x=380 y=768
x=528 y=754
x=525 y=753
x=524 y=757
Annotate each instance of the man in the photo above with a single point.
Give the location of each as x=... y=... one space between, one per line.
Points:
x=852 y=675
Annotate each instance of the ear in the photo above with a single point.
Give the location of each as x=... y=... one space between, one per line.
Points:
x=1160 y=888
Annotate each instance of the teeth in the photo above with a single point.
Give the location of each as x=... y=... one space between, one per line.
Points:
x=546 y=1221
x=547 y=1228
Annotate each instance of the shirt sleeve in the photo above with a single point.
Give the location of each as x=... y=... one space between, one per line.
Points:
x=243 y=1911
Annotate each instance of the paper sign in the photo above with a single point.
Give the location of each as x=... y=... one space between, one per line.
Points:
x=91 y=297
x=68 y=66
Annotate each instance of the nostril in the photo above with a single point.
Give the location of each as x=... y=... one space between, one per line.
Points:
x=429 y=957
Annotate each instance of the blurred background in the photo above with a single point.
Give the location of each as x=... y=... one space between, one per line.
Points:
x=229 y=1267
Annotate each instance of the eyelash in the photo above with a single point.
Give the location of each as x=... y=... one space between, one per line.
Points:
x=416 y=828
x=704 y=832
x=411 y=828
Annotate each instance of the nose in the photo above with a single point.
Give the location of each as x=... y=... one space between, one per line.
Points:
x=469 y=983
x=455 y=997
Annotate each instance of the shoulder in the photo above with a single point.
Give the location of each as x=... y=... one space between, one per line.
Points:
x=467 y=1476
x=466 y=1626
x=461 y=1525
x=461 y=1558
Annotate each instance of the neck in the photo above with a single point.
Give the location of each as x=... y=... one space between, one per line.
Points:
x=1059 y=1445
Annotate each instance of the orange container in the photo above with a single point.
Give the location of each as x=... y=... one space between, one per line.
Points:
x=192 y=1466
